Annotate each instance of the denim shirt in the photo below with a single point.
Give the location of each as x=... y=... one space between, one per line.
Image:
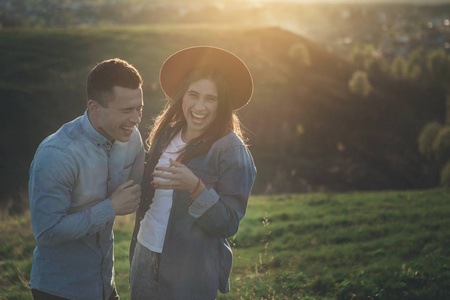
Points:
x=196 y=259
x=73 y=173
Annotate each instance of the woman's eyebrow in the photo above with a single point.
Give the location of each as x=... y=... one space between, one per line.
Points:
x=198 y=93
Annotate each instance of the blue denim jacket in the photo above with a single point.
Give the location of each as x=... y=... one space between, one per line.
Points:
x=196 y=259
x=73 y=173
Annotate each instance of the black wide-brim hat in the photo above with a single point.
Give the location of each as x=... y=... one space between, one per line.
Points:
x=238 y=76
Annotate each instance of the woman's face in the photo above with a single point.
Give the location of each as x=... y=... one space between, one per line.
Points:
x=200 y=103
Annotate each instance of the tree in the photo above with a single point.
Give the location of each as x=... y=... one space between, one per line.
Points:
x=445 y=175
x=299 y=53
x=368 y=58
x=427 y=137
x=434 y=144
x=359 y=84
x=357 y=56
x=438 y=67
x=399 y=68
x=414 y=63
x=441 y=145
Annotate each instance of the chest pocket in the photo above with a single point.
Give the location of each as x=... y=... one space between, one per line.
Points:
x=209 y=179
x=124 y=173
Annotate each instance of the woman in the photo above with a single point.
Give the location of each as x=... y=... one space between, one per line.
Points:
x=197 y=181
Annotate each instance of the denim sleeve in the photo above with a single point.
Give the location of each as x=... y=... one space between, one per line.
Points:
x=219 y=211
x=137 y=170
x=52 y=177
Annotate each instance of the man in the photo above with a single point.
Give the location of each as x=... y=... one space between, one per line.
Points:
x=81 y=177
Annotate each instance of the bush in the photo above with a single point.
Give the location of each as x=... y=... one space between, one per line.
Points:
x=427 y=137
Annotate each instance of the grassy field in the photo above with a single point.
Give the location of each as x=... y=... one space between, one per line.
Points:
x=374 y=245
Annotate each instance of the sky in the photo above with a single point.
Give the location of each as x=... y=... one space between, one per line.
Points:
x=356 y=1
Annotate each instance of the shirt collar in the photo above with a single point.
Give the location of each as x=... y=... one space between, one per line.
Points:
x=95 y=137
x=178 y=127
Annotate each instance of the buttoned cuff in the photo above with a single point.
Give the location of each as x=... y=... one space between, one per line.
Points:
x=203 y=202
x=103 y=214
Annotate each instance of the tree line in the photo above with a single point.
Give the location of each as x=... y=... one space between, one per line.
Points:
x=425 y=68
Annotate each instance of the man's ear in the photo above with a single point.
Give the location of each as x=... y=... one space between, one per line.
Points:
x=93 y=106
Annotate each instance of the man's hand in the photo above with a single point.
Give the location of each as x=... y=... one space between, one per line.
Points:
x=126 y=198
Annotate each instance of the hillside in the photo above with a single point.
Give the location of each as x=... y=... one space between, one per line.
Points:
x=306 y=131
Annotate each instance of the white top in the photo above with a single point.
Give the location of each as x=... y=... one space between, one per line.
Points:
x=153 y=226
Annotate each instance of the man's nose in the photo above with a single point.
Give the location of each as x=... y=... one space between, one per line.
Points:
x=136 y=117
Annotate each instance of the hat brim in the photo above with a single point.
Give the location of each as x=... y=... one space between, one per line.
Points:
x=238 y=76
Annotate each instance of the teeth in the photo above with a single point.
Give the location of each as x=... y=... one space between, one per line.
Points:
x=198 y=116
x=128 y=128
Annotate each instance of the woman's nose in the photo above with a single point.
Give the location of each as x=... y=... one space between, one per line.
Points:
x=200 y=104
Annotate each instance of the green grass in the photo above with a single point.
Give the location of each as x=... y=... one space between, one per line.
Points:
x=374 y=245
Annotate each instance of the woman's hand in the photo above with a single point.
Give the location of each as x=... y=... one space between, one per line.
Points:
x=179 y=177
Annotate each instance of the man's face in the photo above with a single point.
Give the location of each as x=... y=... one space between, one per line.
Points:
x=124 y=112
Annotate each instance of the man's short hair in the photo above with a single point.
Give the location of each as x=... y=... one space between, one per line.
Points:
x=107 y=74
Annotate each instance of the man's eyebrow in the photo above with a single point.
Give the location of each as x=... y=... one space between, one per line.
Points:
x=133 y=107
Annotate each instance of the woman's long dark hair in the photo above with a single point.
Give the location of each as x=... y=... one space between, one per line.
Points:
x=172 y=118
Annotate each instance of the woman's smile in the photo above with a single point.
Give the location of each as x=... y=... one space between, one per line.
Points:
x=200 y=104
